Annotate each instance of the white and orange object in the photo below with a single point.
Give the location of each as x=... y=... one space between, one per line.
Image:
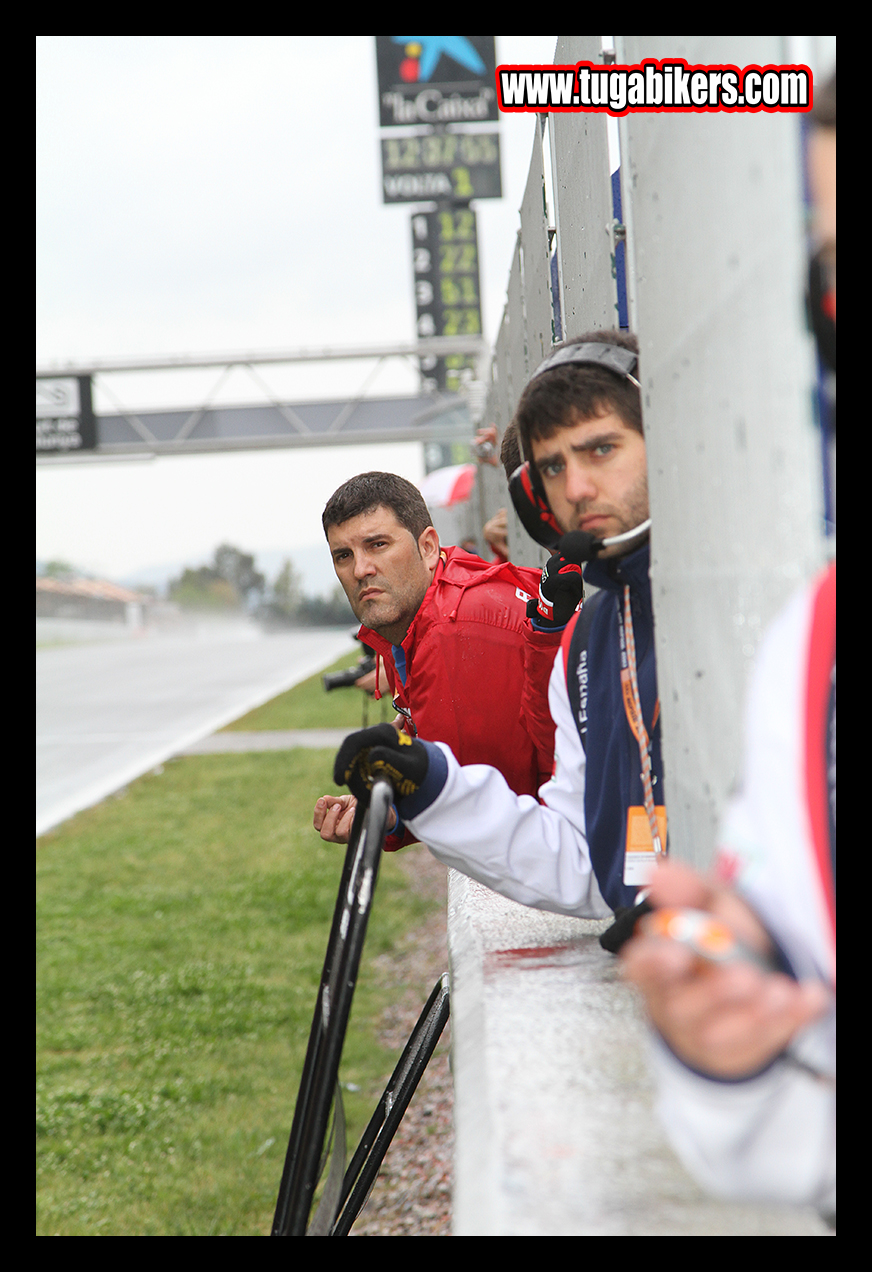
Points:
x=706 y=936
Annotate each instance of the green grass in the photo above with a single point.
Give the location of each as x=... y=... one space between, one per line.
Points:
x=181 y=930
x=309 y=706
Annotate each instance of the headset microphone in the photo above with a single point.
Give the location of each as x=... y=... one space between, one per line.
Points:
x=580 y=545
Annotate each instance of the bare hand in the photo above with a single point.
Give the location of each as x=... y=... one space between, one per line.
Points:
x=334 y=817
x=486 y=445
x=496 y=532
x=728 y=1020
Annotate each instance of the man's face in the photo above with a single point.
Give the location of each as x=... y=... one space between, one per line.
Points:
x=822 y=175
x=822 y=172
x=595 y=476
x=383 y=570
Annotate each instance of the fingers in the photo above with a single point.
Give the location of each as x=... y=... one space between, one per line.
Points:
x=743 y=1020
x=656 y=966
x=344 y=823
x=729 y=1021
x=675 y=884
x=333 y=817
x=354 y=749
x=486 y=437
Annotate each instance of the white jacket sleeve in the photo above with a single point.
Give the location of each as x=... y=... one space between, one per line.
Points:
x=534 y=853
x=772 y=1137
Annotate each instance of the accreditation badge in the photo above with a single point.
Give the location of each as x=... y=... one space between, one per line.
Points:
x=639 y=855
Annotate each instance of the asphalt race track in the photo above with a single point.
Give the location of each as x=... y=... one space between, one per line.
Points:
x=109 y=711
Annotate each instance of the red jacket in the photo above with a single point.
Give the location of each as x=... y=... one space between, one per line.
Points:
x=476 y=671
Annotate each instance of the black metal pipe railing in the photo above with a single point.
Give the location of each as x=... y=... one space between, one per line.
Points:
x=376 y=1139
x=338 y=978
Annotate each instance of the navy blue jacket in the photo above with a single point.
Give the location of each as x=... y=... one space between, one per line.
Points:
x=613 y=781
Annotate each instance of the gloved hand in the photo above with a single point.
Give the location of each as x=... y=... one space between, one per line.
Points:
x=626 y=918
x=560 y=590
x=380 y=752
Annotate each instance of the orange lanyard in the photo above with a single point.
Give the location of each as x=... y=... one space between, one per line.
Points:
x=633 y=708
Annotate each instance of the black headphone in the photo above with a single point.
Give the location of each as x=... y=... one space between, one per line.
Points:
x=525 y=484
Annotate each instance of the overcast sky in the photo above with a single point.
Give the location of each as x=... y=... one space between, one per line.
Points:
x=215 y=194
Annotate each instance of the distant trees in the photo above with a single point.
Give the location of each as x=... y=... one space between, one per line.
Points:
x=332 y=611
x=287 y=606
x=59 y=570
x=230 y=583
x=237 y=569
x=287 y=592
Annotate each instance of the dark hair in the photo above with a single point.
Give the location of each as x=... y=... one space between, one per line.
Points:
x=369 y=491
x=510 y=450
x=550 y=401
x=823 y=112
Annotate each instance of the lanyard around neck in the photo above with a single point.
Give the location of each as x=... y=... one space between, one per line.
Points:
x=633 y=708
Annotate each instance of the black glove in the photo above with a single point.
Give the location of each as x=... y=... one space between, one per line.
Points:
x=560 y=590
x=380 y=752
x=624 y=926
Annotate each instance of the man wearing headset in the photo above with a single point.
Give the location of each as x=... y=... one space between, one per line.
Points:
x=590 y=840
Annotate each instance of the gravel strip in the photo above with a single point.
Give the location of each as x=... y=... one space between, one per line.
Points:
x=412 y=1195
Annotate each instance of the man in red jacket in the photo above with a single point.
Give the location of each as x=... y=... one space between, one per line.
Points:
x=465 y=665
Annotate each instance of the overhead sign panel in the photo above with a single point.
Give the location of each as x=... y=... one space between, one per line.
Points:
x=64 y=415
x=440 y=166
x=436 y=79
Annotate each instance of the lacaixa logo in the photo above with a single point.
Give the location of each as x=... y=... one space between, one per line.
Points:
x=436 y=79
x=422 y=54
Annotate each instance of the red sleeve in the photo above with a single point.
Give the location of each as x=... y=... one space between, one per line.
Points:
x=393 y=843
x=821 y=660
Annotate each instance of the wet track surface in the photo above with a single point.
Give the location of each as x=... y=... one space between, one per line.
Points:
x=110 y=710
